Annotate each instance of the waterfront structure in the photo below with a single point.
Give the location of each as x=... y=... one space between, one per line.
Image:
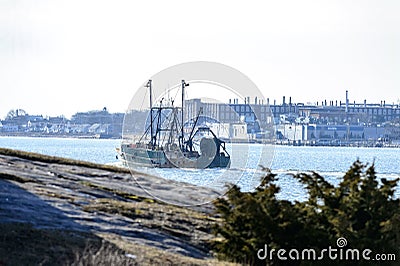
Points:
x=325 y=121
x=323 y=113
x=86 y=124
x=338 y=120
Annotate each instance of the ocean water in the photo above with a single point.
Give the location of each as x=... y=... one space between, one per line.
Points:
x=92 y=150
x=330 y=162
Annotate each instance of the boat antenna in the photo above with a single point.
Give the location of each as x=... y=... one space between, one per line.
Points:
x=189 y=141
x=184 y=84
x=148 y=85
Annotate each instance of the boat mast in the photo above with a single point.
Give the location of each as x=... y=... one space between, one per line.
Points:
x=148 y=85
x=184 y=84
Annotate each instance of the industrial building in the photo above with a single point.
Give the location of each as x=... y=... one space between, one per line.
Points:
x=323 y=121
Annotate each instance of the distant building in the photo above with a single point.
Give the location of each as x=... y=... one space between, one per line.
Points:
x=250 y=119
x=9 y=126
x=325 y=121
x=100 y=122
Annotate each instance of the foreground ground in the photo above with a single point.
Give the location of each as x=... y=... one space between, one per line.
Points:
x=61 y=211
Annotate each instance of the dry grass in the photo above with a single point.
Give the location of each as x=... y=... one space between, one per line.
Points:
x=191 y=227
x=60 y=160
x=18 y=179
x=146 y=255
x=119 y=193
x=21 y=244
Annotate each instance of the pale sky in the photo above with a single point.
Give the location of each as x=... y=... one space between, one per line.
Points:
x=59 y=57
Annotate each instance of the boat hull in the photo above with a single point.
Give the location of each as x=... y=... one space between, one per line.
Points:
x=164 y=159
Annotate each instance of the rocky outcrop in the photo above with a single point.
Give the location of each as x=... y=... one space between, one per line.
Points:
x=51 y=193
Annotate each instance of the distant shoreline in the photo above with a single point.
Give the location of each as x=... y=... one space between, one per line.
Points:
x=356 y=144
x=41 y=135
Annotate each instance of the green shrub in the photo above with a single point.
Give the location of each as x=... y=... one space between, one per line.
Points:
x=360 y=209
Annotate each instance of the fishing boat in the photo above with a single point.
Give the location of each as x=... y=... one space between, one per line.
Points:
x=165 y=143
